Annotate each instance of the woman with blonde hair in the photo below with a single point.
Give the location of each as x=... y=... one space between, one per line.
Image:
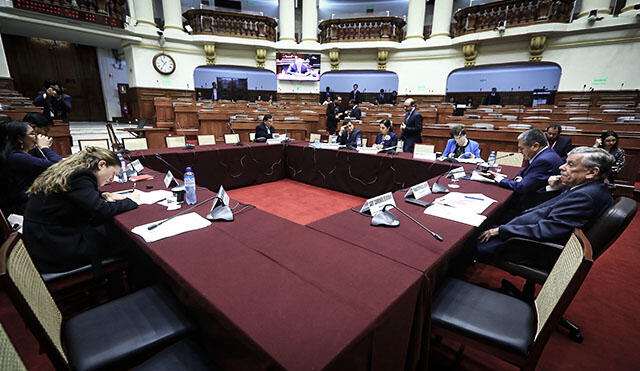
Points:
x=65 y=219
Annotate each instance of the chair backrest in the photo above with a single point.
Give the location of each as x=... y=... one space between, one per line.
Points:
x=610 y=225
x=31 y=298
x=5 y=227
x=113 y=137
x=231 y=138
x=206 y=139
x=364 y=142
x=423 y=148
x=483 y=126
x=561 y=286
x=584 y=119
x=101 y=143
x=173 y=142
x=314 y=137
x=514 y=160
x=519 y=126
x=252 y=136
x=536 y=118
x=9 y=358
x=509 y=117
x=135 y=144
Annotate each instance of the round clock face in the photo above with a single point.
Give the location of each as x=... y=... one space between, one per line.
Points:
x=164 y=64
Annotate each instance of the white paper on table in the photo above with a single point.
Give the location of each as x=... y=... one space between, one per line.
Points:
x=476 y=160
x=148 y=198
x=15 y=219
x=476 y=176
x=180 y=224
x=475 y=203
x=454 y=214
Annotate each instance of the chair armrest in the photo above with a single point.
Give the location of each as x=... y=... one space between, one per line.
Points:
x=529 y=242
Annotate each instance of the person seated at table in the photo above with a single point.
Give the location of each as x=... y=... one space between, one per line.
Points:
x=381 y=97
x=348 y=134
x=23 y=156
x=355 y=112
x=543 y=162
x=386 y=138
x=609 y=142
x=583 y=198
x=266 y=129
x=562 y=145
x=459 y=146
x=66 y=215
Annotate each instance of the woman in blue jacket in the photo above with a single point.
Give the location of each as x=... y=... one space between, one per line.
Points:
x=459 y=146
x=386 y=138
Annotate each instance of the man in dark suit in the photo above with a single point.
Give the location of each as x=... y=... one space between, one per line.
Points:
x=355 y=112
x=265 y=129
x=349 y=135
x=543 y=162
x=381 y=98
x=562 y=145
x=355 y=94
x=334 y=114
x=584 y=198
x=55 y=103
x=492 y=98
x=327 y=95
x=412 y=126
x=214 y=92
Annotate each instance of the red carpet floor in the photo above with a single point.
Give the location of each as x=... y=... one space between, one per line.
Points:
x=301 y=203
x=606 y=307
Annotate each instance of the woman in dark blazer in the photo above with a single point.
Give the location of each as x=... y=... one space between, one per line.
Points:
x=64 y=222
x=386 y=138
x=23 y=156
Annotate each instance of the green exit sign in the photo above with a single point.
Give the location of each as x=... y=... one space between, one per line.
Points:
x=600 y=80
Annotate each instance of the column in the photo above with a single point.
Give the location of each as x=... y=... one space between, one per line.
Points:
x=144 y=14
x=309 y=21
x=172 y=12
x=588 y=5
x=4 y=66
x=415 y=19
x=442 y=12
x=287 y=20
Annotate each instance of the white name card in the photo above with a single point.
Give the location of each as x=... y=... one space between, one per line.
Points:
x=457 y=173
x=424 y=156
x=168 y=179
x=137 y=166
x=224 y=196
x=419 y=190
x=274 y=141
x=376 y=204
x=367 y=150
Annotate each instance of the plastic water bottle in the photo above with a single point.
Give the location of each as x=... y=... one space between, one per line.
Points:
x=190 y=187
x=492 y=159
x=122 y=178
x=359 y=141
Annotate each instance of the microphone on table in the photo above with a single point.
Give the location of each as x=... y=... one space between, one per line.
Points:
x=169 y=165
x=485 y=168
x=155 y=225
x=439 y=188
x=432 y=233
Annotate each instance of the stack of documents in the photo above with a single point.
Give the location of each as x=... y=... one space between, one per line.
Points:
x=463 y=208
x=180 y=224
x=148 y=198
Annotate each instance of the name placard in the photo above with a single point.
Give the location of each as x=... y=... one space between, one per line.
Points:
x=418 y=190
x=376 y=204
x=137 y=166
x=224 y=196
x=424 y=156
x=168 y=179
x=458 y=172
x=367 y=150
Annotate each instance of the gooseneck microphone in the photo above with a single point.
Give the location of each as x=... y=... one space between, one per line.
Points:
x=439 y=188
x=169 y=165
x=432 y=233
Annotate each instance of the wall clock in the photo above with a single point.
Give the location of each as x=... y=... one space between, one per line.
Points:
x=164 y=64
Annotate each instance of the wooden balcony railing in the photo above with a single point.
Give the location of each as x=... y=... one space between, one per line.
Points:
x=487 y=16
x=361 y=29
x=215 y=22
x=103 y=12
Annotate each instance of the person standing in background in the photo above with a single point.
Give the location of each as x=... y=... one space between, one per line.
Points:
x=380 y=98
x=493 y=98
x=355 y=94
x=412 y=126
x=214 y=92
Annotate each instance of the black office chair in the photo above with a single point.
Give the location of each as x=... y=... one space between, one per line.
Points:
x=116 y=335
x=507 y=327
x=602 y=234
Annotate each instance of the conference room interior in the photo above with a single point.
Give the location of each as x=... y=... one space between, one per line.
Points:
x=294 y=274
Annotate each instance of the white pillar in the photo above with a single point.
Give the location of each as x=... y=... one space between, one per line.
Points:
x=630 y=4
x=144 y=14
x=309 y=21
x=287 y=20
x=602 y=6
x=4 y=66
x=172 y=11
x=415 y=19
x=442 y=12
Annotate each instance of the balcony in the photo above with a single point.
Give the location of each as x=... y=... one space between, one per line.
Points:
x=517 y=13
x=214 y=22
x=103 y=12
x=361 y=29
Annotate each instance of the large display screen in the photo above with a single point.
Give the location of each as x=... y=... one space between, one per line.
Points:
x=297 y=66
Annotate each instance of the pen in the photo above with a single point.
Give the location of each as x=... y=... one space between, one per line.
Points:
x=474 y=198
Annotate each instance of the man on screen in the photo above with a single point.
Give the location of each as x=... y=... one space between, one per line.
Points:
x=299 y=67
